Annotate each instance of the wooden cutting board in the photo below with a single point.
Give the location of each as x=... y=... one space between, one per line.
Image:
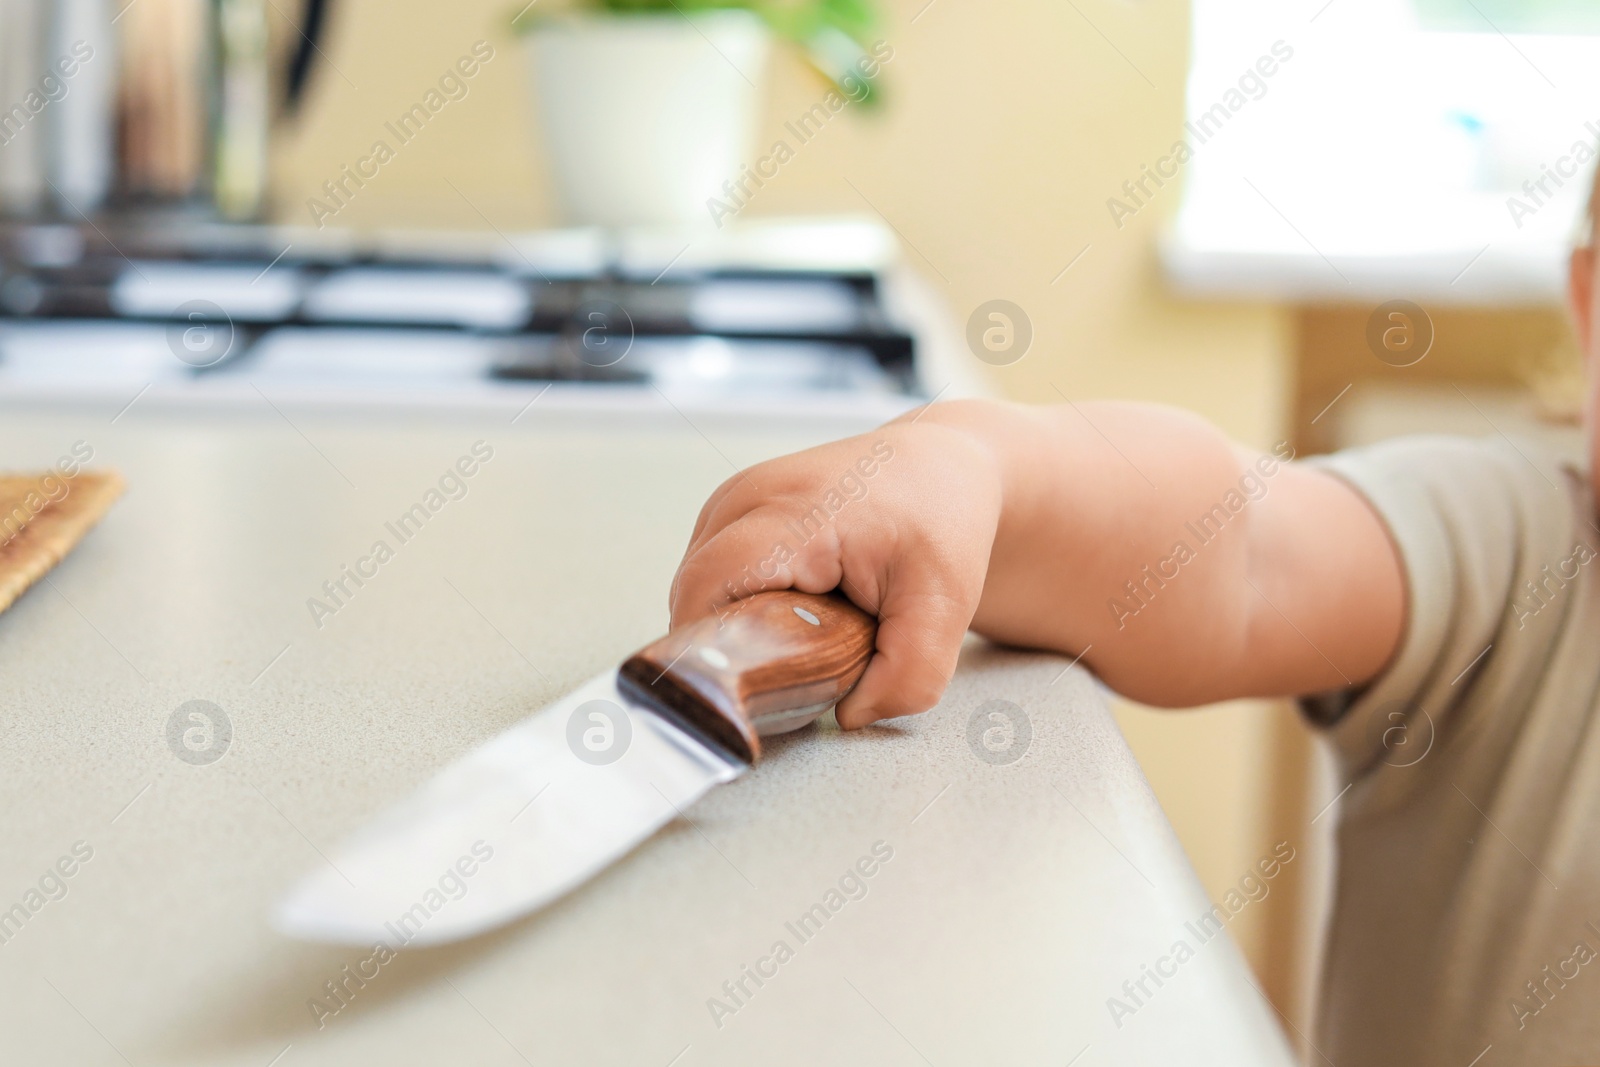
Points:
x=42 y=516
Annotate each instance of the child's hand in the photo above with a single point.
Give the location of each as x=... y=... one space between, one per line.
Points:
x=1181 y=568
x=901 y=520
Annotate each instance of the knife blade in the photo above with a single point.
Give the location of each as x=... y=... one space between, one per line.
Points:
x=539 y=809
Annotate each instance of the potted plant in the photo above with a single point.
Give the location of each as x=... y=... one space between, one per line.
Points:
x=650 y=107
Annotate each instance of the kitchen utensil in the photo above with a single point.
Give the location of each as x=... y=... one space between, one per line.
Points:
x=550 y=802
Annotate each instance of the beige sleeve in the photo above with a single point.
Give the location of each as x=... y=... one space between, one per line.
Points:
x=1472 y=521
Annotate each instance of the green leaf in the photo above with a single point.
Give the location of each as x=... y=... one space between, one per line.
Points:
x=833 y=35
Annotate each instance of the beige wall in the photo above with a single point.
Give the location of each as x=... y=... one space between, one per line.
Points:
x=1008 y=125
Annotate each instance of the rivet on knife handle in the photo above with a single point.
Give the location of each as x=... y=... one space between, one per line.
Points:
x=772 y=663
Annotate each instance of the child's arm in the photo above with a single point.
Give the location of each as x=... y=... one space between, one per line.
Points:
x=1027 y=524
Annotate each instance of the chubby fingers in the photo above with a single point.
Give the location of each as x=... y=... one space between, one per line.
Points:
x=923 y=599
x=903 y=553
x=751 y=554
x=920 y=630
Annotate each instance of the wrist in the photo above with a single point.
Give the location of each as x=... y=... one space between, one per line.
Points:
x=1003 y=432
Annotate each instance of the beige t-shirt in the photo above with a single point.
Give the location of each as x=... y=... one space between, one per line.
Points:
x=1467 y=910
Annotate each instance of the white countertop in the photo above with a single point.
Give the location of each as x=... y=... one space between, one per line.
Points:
x=1018 y=899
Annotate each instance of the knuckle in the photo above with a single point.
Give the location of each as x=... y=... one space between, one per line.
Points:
x=909 y=693
x=924 y=693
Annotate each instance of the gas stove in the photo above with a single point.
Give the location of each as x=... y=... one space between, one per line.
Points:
x=774 y=313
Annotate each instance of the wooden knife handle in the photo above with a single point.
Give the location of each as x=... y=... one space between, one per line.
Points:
x=772 y=662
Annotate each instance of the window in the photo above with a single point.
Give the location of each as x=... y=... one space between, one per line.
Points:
x=1510 y=16
x=1356 y=131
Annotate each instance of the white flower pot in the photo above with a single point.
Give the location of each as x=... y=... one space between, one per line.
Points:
x=646 y=116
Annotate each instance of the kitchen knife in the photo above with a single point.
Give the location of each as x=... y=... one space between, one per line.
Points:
x=544 y=806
